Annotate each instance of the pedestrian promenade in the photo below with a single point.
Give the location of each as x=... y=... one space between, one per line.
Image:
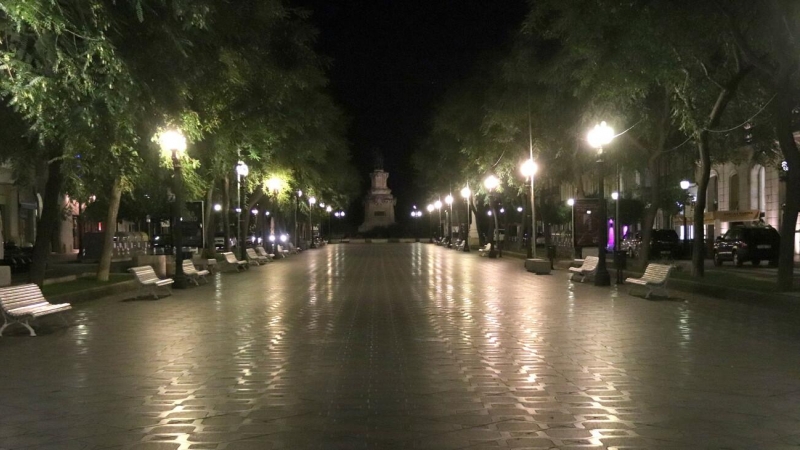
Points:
x=401 y=346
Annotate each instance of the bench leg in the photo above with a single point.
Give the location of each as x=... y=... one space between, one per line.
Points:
x=26 y=325
x=5 y=325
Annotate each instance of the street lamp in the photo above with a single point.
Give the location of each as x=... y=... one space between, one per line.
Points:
x=617 y=244
x=311 y=202
x=430 y=209
x=174 y=143
x=466 y=193
x=296 y=204
x=217 y=207
x=490 y=183
x=528 y=169
x=571 y=204
x=438 y=205
x=241 y=171
x=449 y=201
x=601 y=135
x=328 y=210
x=685 y=185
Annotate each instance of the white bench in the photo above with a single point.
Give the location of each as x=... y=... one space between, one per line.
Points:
x=192 y=273
x=261 y=252
x=283 y=251
x=655 y=276
x=230 y=258
x=149 y=281
x=483 y=251
x=255 y=259
x=293 y=249
x=21 y=304
x=586 y=269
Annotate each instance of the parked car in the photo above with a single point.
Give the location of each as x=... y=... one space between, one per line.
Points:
x=661 y=242
x=743 y=244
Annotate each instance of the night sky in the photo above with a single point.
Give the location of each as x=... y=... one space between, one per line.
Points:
x=393 y=61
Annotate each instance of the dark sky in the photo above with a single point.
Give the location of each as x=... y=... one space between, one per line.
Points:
x=392 y=62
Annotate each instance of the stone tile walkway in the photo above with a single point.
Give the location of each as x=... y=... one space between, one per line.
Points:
x=404 y=346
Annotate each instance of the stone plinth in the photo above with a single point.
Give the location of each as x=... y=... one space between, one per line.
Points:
x=379 y=204
x=538 y=266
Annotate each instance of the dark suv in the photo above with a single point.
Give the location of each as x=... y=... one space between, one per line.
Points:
x=742 y=244
x=661 y=242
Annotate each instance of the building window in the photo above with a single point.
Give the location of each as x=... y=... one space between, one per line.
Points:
x=758 y=181
x=733 y=192
x=712 y=199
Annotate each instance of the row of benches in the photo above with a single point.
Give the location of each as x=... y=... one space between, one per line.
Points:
x=26 y=303
x=655 y=276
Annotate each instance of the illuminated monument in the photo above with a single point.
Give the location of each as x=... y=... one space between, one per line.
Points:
x=379 y=204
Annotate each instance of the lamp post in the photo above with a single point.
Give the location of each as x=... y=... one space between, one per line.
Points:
x=617 y=257
x=328 y=209
x=174 y=143
x=241 y=171
x=685 y=184
x=466 y=193
x=311 y=202
x=491 y=182
x=599 y=136
x=438 y=205
x=430 y=221
x=296 y=204
x=449 y=201
x=528 y=169
x=571 y=204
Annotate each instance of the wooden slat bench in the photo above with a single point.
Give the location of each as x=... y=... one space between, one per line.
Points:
x=231 y=259
x=149 y=281
x=261 y=252
x=655 y=277
x=22 y=304
x=193 y=274
x=586 y=269
x=483 y=251
x=254 y=258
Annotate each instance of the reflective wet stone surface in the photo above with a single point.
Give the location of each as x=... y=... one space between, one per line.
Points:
x=404 y=346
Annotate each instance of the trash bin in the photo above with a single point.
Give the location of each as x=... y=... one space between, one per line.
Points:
x=621 y=259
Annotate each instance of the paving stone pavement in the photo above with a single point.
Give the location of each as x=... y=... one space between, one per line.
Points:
x=404 y=346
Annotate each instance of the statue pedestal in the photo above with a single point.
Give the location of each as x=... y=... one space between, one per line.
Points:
x=472 y=234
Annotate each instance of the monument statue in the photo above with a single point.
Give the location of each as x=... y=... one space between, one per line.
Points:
x=379 y=204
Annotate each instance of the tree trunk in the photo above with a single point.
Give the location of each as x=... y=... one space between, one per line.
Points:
x=111 y=225
x=48 y=223
x=704 y=154
x=226 y=211
x=210 y=226
x=698 y=260
x=783 y=125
